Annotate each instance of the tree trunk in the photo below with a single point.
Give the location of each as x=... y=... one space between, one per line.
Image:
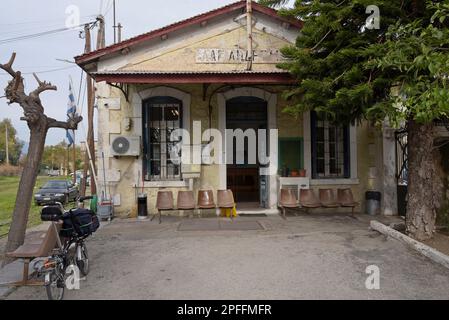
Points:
x=421 y=212
x=16 y=236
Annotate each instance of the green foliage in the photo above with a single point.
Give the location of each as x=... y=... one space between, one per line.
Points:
x=55 y=157
x=8 y=194
x=348 y=71
x=418 y=54
x=14 y=144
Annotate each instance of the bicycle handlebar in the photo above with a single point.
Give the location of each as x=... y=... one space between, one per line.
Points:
x=82 y=199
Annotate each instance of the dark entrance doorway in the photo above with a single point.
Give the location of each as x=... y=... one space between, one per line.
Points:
x=243 y=179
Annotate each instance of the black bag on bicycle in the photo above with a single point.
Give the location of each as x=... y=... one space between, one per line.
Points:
x=83 y=222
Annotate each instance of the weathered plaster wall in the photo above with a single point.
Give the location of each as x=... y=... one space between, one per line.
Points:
x=124 y=175
x=126 y=182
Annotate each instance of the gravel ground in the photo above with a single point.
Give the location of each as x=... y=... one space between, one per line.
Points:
x=304 y=257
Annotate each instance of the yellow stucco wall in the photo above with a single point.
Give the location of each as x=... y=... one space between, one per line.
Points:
x=182 y=57
x=288 y=127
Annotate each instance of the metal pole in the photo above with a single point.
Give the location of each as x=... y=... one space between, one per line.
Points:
x=74 y=159
x=114 y=26
x=249 y=30
x=104 y=177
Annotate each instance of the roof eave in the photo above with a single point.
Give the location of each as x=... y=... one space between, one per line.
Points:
x=255 y=78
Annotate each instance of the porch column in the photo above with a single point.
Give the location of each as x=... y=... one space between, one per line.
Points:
x=389 y=196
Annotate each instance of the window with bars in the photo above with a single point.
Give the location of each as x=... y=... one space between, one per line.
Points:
x=161 y=116
x=330 y=149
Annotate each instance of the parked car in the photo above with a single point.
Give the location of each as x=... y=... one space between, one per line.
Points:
x=53 y=173
x=56 y=191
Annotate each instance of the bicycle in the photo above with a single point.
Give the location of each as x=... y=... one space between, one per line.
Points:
x=55 y=267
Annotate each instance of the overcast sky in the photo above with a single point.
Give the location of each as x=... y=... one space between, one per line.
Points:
x=25 y=17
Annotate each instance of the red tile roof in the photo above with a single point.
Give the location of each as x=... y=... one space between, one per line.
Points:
x=89 y=57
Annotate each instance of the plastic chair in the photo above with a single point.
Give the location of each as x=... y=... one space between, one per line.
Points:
x=308 y=200
x=205 y=200
x=346 y=199
x=186 y=200
x=327 y=198
x=164 y=201
x=225 y=199
x=287 y=199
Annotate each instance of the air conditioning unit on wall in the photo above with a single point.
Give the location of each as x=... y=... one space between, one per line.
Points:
x=125 y=146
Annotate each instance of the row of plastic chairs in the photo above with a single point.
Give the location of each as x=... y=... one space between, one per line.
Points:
x=308 y=199
x=186 y=201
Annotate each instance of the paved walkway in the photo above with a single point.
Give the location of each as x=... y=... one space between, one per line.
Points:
x=305 y=257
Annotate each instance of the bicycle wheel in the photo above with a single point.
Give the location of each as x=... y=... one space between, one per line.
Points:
x=82 y=258
x=54 y=285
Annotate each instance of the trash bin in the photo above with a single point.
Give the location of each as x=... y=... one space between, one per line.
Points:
x=142 y=208
x=372 y=202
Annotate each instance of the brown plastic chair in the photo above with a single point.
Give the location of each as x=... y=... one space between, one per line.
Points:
x=32 y=249
x=287 y=199
x=346 y=199
x=186 y=200
x=164 y=201
x=205 y=200
x=327 y=198
x=308 y=200
x=225 y=199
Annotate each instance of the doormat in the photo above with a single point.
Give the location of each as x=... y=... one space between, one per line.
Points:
x=252 y=215
x=219 y=225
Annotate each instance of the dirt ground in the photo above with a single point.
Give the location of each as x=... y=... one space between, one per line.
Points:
x=304 y=257
x=440 y=242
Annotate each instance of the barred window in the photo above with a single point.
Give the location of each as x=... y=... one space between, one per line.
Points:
x=161 y=116
x=330 y=149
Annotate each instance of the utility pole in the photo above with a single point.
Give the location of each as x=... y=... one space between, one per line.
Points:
x=66 y=161
x=74 y=159
x=114 y=26
x=249 y=31
x=101 y=32
x=87 y=49
x=119 y=37
x=6 y=142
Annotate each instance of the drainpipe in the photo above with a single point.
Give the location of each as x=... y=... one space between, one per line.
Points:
x=249 y=30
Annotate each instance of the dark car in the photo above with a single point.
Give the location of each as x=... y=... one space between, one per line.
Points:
x=56 y=191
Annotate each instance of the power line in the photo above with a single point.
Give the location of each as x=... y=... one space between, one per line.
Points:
x=39 y=72
x=80 y=88
x=109 y=7
x=40 y=21
x=40 y=34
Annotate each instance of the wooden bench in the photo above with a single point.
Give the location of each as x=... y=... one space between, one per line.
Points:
x=35 y=247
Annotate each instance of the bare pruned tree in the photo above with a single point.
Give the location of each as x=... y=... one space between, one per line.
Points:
x=38 y=123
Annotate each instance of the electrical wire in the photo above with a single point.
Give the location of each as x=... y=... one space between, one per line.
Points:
x=41 y=34
x=40 y=21
x=80 y=88
x=39 y=72
x=109 y=7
